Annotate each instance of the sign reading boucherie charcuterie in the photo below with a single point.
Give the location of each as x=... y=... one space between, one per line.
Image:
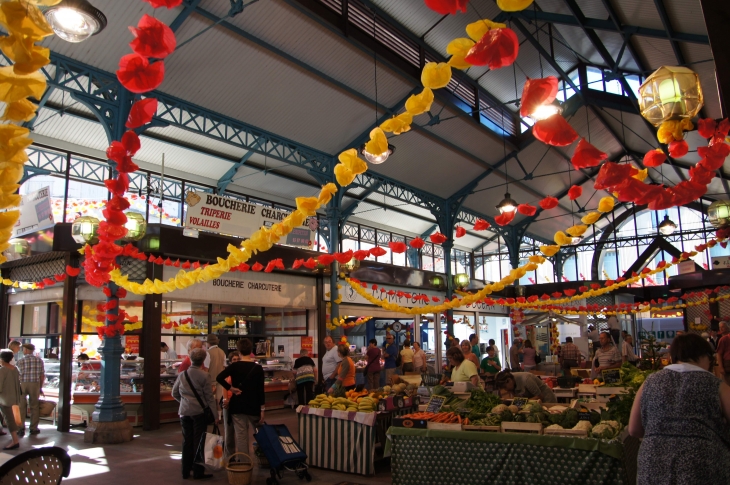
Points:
x=226 y=215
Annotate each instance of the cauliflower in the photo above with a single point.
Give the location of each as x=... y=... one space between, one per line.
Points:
x=554 y=426
x=499 y=409
x=603 y=431
x=514 y=409
x=583 y=425
x=614 y=424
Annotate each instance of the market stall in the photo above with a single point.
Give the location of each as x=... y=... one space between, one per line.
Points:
x=438 y=456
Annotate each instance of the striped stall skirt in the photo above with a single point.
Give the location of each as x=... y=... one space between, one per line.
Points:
x=338 y=444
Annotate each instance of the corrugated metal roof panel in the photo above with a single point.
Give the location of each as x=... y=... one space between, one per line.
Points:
x=184 y=160
x=195 y=140
x=316 y=46
x=275 y=95
x=686 y=16
x=71 y=129
x=396 y=221
x=655 y=52
x=638 y=136
x=412 y=14
x=642 y=14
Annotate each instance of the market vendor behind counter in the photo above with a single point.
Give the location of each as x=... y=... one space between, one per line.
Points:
x=523 y=384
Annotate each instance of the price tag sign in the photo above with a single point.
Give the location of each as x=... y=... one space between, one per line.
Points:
x=435 y=404
x=584 y=414
x=611 y=376
x=520 y=402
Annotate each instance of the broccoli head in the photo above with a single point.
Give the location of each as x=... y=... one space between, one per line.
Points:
x=506 y=415
x=570 y=419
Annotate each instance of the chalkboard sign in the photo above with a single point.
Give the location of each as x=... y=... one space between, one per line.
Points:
x=520 y=402
x=584 y=414
x=611 y=376
x=435 y=404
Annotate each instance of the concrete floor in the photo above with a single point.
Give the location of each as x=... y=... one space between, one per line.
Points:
x=153 y=457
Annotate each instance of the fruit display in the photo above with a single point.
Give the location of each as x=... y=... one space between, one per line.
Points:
x=363 y=404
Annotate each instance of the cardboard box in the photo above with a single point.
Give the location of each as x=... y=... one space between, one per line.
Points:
x=410 y=423
x=489 y=429
x=444 y=426
x=534 y=428
x=392 y=403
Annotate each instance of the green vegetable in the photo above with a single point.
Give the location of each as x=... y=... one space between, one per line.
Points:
x=606 y=430
x=482 y=402
x=507 y=415
x=570 y=418
x=595 y=417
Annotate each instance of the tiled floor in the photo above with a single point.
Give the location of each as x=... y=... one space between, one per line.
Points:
x=153 y=458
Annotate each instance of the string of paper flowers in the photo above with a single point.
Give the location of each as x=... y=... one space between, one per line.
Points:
x=341 y=322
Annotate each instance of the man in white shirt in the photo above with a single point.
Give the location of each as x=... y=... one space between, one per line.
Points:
x=167 y=352
x=627 y=350
x=329 y=362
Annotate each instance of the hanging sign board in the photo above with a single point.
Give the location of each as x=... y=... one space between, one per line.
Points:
x=35 y=212
x=226 y=215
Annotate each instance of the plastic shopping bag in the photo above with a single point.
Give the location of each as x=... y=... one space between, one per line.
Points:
x=211 y=455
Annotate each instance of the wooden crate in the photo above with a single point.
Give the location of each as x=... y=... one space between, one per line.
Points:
x=603 y=394
x=586 y=389
x=492 y=429
x=566 y=432
x=445 y=426
x=593 y=406
x=535 y=428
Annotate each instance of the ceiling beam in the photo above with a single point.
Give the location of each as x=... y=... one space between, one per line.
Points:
x=347 y=211
x=188 y=8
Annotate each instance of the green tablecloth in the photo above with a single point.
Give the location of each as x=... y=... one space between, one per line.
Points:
x=466 y=457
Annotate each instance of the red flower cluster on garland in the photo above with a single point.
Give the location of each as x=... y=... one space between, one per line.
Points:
x=443 y=7
x=460 y=231
x=555 y=131
x=527 y=209
x=437 y=238
x=549 y=202
x=417 y=243
x=537 y=92
x=586 y=155
x=505 y=218
x=481 y=225
x=497 y=48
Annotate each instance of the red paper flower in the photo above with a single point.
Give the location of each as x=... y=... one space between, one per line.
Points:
x=586 y=155
x=545 y=297
x=60 y=277
x=556 y=294
x=554 y=131
x=595 y=286
x=118 y=203
x=361 y=254
x=243 y=267
x=270 y=266
x=437 y=238
x=678 y=149
x=481 y=225
x=326 y=259
x=574 y=192
x=445 y=7
x=417 y=243
x=527 y=209
x=505 y=218
x=71 y=271
x=377 y=251
x=153 y=38
x=460 y=231
x=537 y=92
x=498 y=48
x=700 y=174
x=548 y=203
x=311 y=263
x=706 y=127
x=435 y=298
x=397 y=246
x=583 y=289
x=138 y=75
x=345 y=257
x=654 y=158
x=141 y=113
x=662 y=201
x=257 y=267
x=569 y=292
x=119 y=185
x=612 y=174
x=164 y=3
x=168 y=262
x=714 y=155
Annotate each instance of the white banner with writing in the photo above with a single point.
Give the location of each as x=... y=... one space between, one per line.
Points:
x=400 y=296
x=250 y=288
x=35 y=212
x=226 y=215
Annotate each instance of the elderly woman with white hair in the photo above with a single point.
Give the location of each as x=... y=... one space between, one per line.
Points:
x=193 y=344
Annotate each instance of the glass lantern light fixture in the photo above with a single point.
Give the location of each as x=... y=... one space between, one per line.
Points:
x=461 y=280
x=670 y=93
x=85 y=230
x=508 y=204
x=136 y=226
x=350 y=266
x=719 y=213
x=75 y=20
x=437 y=282
x=667 y=226
x=377 y=159
x=19 y=248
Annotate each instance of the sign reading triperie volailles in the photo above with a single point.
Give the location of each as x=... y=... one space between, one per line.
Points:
x=226 y=215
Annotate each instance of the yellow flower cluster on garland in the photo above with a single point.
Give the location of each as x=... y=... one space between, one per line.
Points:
x=629 y=311
x=26 y=26
x=340 y=322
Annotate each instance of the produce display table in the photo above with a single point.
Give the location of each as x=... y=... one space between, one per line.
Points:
x=421 y=456
x=344 y=441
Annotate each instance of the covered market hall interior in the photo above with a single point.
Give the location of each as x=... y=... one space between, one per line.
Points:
x=429 y=241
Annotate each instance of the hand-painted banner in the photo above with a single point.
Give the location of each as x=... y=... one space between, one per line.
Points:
x=226 y=215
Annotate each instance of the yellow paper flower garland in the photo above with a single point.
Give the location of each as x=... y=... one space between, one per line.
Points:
x=26 y=26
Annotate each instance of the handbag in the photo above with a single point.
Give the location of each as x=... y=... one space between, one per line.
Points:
x=207 y=412
x=538 y=359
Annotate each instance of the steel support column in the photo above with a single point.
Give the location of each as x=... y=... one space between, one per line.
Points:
x=68 y=326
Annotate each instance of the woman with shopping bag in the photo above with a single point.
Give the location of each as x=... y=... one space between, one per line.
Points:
x=193 y=389
x=10 y=396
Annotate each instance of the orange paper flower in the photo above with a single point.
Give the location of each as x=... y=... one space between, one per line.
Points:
x=554 y=131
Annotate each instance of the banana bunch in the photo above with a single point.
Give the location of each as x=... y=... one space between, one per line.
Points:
x=321 y=401
x=366 y=404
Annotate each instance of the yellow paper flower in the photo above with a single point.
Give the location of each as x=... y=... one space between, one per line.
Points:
x=26 y=56
x=577 y=230
x=670 y=131
x=420 y=103
x=21 y=18
x=308 y=205
x=8 y=200
x=14 y=87
x=606 y=204
x=476 y=30
x=561 y=239
x=8 y=219
x=20 y=111
x=513 y=5
x=11 y=175
x=459 y=48
x=642 y=175
x=435 y=75
x=325 y=195
x=591 y=218
x=536 y=258
x=378 y=143
x=398 y=124
x=353 y=163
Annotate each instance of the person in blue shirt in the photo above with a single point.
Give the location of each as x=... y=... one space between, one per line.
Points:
x=389 y=354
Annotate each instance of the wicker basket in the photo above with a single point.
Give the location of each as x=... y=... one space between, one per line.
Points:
x=239 y=473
